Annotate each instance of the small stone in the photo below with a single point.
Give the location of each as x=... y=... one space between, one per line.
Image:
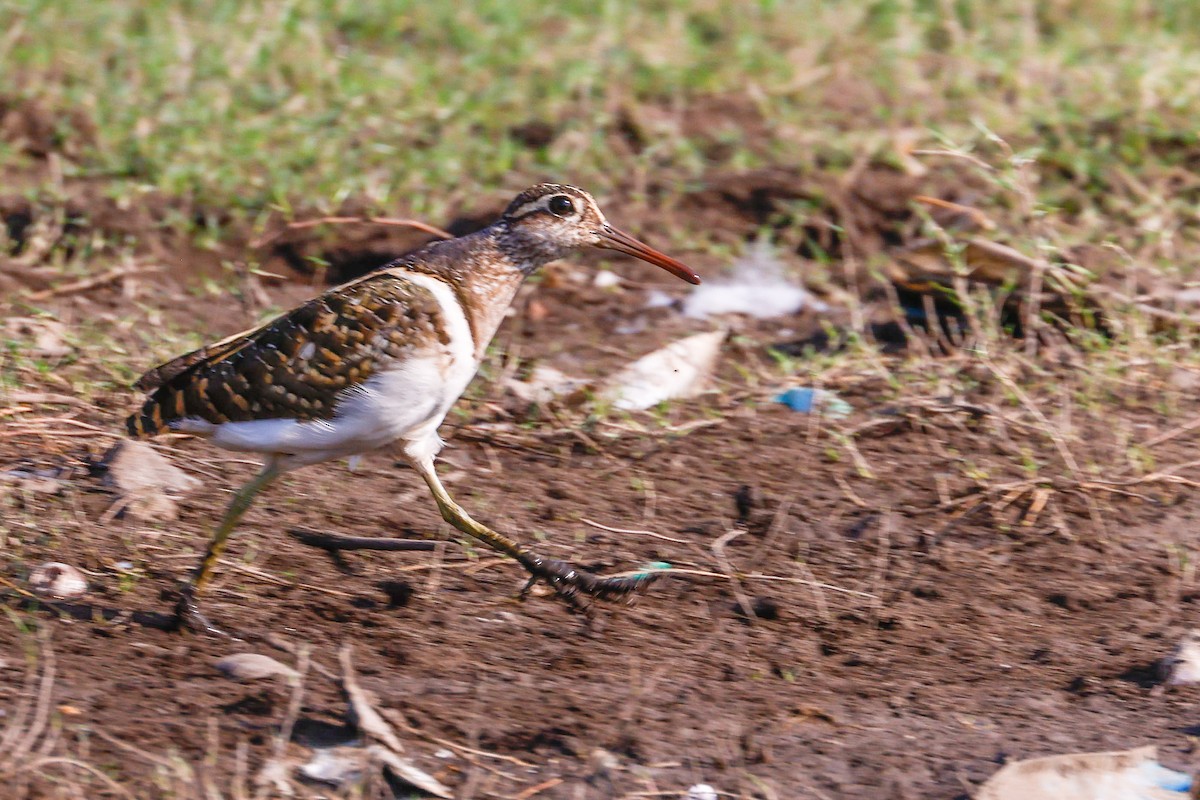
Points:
x=536 y=311
x=1183 y=666
x=602 y=763
x=399 y=593
x=57 y=580
x=765 y=608
x=606 y=279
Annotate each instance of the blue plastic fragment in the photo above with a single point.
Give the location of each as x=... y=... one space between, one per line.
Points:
x=805 y=399
x=1166 y=778
x=798 y=399
x=652 y=567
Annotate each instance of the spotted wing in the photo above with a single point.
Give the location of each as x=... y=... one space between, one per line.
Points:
x=297 y=365
x=209 y=352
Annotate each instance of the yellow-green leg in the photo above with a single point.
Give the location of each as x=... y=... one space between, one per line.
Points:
x=187 y=611
x=564 y=579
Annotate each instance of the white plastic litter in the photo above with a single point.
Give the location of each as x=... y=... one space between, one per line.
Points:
x=757 y=287
x=679 y=370
x=1124 y=775
x=701 y=791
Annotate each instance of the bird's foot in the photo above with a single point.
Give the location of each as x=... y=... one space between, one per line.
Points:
x=189 y=617
x=568 y=582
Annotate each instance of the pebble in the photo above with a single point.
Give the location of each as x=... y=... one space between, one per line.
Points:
x=58 y=580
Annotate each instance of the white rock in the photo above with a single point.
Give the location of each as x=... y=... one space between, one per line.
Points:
x=679 y=370
x=58 y=580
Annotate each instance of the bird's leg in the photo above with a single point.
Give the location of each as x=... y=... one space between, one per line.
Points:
x=187 y=610
x=564 y=579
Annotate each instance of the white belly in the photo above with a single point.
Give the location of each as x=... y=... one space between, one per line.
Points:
x=406 y=402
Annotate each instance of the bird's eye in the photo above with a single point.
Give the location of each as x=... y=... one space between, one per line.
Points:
x=561 y=206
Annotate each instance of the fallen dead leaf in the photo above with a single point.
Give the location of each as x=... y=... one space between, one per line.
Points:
x=543 y=384
x=679 y=370
x=1087 y=776
x=254 y=666
x=368 y=720
x=149 y=484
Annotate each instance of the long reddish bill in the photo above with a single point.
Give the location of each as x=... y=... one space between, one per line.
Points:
x=613 y=239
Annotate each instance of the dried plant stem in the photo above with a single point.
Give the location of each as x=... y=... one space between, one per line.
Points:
x=392 y=221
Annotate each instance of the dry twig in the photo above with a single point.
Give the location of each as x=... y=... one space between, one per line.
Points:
x=312 y=223
x=632 y=532
x=86 y=284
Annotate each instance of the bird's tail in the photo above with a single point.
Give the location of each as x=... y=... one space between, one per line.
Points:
x=150 y=420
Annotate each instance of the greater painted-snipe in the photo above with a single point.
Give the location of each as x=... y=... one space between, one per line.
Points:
x=376 y=360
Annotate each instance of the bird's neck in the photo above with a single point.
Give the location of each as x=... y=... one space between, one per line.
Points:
x=485 y=277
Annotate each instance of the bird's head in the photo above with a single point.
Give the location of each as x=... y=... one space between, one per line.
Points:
x=549 y=220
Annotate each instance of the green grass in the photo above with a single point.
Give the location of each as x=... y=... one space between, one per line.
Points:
x=416 y=106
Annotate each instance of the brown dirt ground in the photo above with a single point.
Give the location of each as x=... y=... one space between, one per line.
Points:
x=913 y=635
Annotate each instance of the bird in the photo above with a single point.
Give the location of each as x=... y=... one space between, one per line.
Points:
x=377 y=360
